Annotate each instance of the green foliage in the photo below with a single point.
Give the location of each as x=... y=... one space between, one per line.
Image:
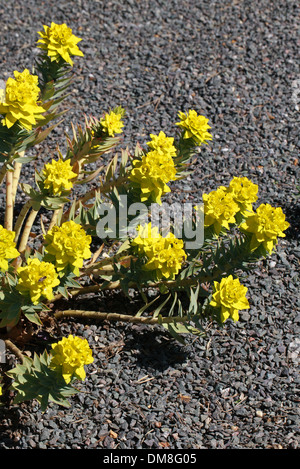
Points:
x=34 y=379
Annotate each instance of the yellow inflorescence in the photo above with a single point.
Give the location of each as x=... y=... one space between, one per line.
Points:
x=7 y=248
x=223 y=204
x=69 y=356
x=58 y=176
x=37 y=278
x=165 y=255
x=244 y=193
x=265 y=225
x=162 y=144
x=156 y=168
x=59 y=42
x=220 y=209
x=112 y=123
x=194 y=126
x=230 y=296
x=69 y=244
x=19 y=101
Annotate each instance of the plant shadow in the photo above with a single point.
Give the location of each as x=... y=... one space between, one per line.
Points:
x=155 y=348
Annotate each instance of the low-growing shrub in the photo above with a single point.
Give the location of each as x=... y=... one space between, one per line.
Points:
x=111 y=238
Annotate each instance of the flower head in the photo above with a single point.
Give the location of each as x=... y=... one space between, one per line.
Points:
x=162 y=144
x=19 y=102
x=112 y=123
x=220 y=209
x=230 y=296
x=265 y=225
x=58 y=176
x=164 y=255
x=152 y=173
x=194 y=126
x=7 y=248
x=59 y=42
x=69 y=356
x=69 y=245
x=244 y=192
x=38 y=278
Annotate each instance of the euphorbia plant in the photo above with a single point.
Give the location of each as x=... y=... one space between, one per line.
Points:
x=194 y=281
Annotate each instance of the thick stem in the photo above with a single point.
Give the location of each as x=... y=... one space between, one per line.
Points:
x=16 y=177
x=171 y=284
x=53 y=219
x=8 y=223
x=119 y=317
x=27 y=229
x=21 y=218
x=14 y=349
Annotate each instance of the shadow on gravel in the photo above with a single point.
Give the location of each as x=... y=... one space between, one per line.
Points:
x=292 y=213
x=154 y=348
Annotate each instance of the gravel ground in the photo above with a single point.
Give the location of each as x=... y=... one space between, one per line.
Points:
x=237 y=63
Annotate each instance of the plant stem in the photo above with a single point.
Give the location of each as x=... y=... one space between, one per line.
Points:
x=21 y=218
x=53 y=219
x=171 y=284
x=26 y=232
x=16 y=177
x=13 y=348
x=8 y=223
x=94 y=192
x=119 y=317
x=2 y=173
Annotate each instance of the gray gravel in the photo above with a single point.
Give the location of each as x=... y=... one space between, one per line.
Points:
x=237 y=62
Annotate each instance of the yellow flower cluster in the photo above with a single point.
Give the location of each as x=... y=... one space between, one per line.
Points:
x=244 y=193
x=156 y=168
x=59 y=42
x=38 y=278
x=164 y=255
x=58 y=176
x=112 y=123
x=220 y=209
x=69 y=245
x=7 y=248
x=265 y=225
x=222 y=205
x=162 y=144
x=69 y=356
x=230 y=296
x=194 y=126
x=19 y=100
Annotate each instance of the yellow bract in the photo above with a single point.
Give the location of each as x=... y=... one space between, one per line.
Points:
x=165 y=255
x=230 y=296
x=69 y=356
x=220 y=209
x=69 y=244
x=59 y=42
x=37 y=278
x=58 y=176
x=244 y=192
x=162 y=144
x=112 y=123
x=7 y=247
x=152 y=173
x=20 y=101
x=195 y=127
x=265 y=225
